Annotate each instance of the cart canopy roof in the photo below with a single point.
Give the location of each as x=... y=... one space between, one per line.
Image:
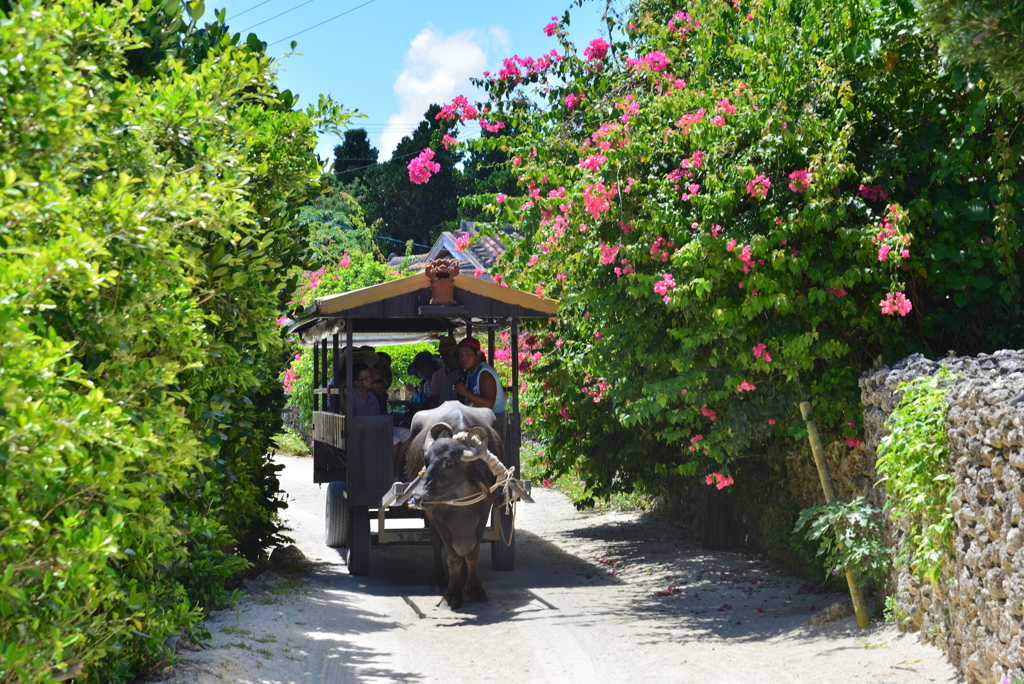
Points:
x=400 y=312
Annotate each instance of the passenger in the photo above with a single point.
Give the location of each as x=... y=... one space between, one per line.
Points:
x=482 y=387
x=384 y=365
x=364 y=401
x=442 y=382
x=422 y=367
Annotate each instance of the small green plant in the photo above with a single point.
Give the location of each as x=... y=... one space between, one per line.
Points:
x=848 y=537
x=265 y=653
x=913 y=462
x=893 y=612
x=288 y=441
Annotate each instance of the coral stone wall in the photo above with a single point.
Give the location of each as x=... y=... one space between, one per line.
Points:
x=976 y=610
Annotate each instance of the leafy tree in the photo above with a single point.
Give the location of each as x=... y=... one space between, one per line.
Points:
x=354 y=157
x=148 y=211
x=778 y=193
x=408 y=211
x=989 y=32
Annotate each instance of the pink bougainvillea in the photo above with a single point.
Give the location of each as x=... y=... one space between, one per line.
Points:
x=798 y=181
x=597 y=49
x=593 y=162
x=552 y=28
x=462 y=242
x=422 y=167
x=345 y=261
x=745 y=387
x=759 y=186
x=895 y=302
x=719 y=480
x=708 y=413
x=761 y=352
x=872 y=193
x=608 y=253
x=664 y=285
x=853 y=442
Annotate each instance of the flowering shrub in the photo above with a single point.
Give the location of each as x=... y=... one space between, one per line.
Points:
x=421 y=167
x=649 y=203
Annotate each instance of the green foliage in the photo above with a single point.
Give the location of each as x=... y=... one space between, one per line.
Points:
x=848 y=91
x=149 y=191
x=848 y=536
x=289 y=442
x=990 y=32
x=913 y=461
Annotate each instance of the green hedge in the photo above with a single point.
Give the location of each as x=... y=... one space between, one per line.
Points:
x=146 y=217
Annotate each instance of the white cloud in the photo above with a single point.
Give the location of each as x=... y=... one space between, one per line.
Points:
x=437 y=68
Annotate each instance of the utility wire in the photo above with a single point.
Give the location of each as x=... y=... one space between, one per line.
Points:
x=336 y=16
x=250 y=9
x=277 y=15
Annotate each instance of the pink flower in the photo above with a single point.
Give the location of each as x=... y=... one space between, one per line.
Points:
x=533 y=261
x=421 y=167
x=656 y=61
x=593 y=162
x=550 y=30
x=771 y=421
x=709 y=413
x=853 y=442
x=597 y=335
x=905 y=254
x=895 y=302
x=597 y=49
x=837 y=291
x=761 y=350
x=492 y=127
x=718 y=121
x=281 y=321
x=608 y=253
x=462 y=242
x=664 y=285
x=883 y=252
x=571 y=101
x=448 y=140
x=731 y=245
x=715 y=230
x=759 y=186
x=478 y=272
x=539 y=292
x=719 y=480
x=745 y=387
x=798 y=181
x=872 y=193
x=345 y=261
x=501 y=197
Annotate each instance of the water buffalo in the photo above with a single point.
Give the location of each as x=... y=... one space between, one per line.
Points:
x=449 y=453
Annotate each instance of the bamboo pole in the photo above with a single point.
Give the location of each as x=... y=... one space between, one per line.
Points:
x=856 y=594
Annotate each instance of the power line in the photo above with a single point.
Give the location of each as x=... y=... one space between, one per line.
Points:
x=251 y=8
x=337 y=16
x=277 y=15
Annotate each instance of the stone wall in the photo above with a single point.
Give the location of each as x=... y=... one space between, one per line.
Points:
x=975 y=611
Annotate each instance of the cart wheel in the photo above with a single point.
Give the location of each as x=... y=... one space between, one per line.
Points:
x=504 y=557
x=336 y=519
x=358 y=557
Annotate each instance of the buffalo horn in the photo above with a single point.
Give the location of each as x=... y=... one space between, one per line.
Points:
x=435 y=431
x=477 y=439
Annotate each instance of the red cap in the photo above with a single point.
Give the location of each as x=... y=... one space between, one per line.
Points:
x=471 y=343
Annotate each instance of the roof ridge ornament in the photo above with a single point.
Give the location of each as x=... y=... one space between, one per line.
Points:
x=442 y=274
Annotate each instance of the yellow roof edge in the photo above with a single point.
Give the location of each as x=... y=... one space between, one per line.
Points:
x=509 y=295
x=372 y=293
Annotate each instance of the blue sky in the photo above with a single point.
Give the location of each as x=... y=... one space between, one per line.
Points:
x=391 y=59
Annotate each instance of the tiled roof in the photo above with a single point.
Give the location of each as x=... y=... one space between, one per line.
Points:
x=482 y=253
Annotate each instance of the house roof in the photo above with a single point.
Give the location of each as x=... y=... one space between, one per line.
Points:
x=480 y=255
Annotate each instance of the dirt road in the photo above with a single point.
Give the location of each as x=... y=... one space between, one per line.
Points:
x=582 y=605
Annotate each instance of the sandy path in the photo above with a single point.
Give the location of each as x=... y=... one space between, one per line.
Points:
x=579 y=607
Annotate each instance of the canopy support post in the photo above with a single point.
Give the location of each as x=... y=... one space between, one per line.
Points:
x=348 y=374
x=490 y=346
x=323 y=376
x=336 y=370
x=316 y=375
x=515 y=366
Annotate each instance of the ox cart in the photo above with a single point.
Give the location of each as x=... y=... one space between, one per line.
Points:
x=352 y=454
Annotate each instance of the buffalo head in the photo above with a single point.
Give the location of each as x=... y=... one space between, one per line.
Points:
x=451 y=466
